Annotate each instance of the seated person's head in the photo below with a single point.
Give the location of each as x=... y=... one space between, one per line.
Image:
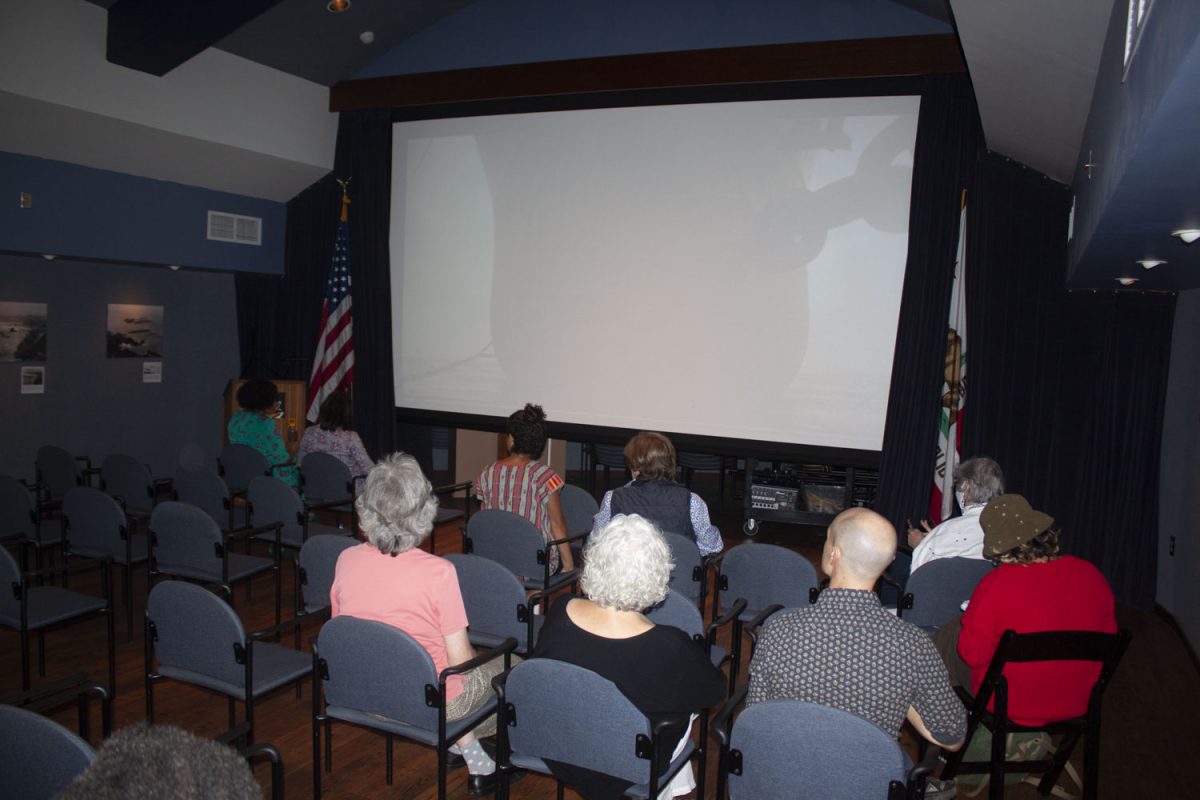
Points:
x=143 y=761
x=859 y=546
x=1014 y=533
x=626 y=564
x=396 y=507
x=651 y=456
x=337 y=413
x=979 y=480
x=257 y=395
x=527 y=429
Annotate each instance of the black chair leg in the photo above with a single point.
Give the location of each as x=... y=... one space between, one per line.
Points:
x=328 y=745
x=129 y=602
x=388 y=758
x=232 y=707
x=25 y=660
x=41 y=637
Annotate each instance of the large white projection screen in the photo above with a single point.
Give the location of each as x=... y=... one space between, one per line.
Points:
x=723 y=269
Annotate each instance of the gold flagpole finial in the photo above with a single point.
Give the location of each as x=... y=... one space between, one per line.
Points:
x=345 y=197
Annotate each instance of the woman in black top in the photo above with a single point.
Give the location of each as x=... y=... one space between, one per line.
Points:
x=659 y=668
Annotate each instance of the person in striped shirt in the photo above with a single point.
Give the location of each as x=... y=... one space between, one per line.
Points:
x=522 y=485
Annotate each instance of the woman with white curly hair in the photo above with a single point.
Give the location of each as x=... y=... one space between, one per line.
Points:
x=389 y=579
x=626 y=566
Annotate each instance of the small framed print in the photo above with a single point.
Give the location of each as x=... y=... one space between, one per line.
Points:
x=33 y=380
x=151 y=372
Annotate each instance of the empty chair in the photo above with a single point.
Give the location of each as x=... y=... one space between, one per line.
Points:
x=690 y=576
x=198 y=639
x=238 y=463
x=58 y=471
x=584 y=721
x=35 y=609
x=936 y=591
x=765 y=575
x=39 y=757
x=679 y=612
x=128 y=481
x=204 y=489
x=792 y=750
x=191 y=456
x=495 y=601
x=1106 y=649
x=609 y=457
x=270 y=500
x=516 y=543
x=407 y=699
x=579 y=507
x=186 y=543
x=19 y=517
x=314 y=570
x=325 y=479
x=95 y=528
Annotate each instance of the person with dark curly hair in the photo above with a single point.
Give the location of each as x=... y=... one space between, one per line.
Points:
x=254 y=426
x=1035 y=588
x=522 y=485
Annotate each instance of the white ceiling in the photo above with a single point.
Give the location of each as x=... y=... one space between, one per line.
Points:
x=1033 y=64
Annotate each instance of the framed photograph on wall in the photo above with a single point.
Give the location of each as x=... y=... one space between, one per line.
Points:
x=135 y=331
x=22 y=331
x=33 y=380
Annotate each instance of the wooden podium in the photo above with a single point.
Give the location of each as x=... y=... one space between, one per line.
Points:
x=292 y=396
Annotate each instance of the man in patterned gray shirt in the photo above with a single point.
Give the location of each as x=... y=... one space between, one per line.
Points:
x=849 y=652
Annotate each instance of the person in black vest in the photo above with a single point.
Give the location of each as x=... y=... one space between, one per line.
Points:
x=654 y=494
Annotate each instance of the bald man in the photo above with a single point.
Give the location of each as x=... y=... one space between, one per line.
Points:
x=848 y=652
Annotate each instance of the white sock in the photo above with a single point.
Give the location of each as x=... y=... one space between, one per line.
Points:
x=478 y=761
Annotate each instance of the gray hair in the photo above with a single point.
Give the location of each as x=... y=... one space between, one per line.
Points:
x=151 y=761
x=984 y=479
x=627 y=564
x=397 y=506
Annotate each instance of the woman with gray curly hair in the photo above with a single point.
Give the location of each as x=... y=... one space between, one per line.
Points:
x=626 y=566
x=389 y=579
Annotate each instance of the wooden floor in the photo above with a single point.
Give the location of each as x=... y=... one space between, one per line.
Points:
x=1150 y=725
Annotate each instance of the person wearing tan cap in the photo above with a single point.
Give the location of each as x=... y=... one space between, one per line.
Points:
x=1035 y=588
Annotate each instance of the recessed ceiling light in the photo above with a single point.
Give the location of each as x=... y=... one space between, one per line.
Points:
x=1187 y=235
x=367 y=37
x=173 y=267
x=1150 y=263
x=1127 y=281
x=337 y=6
x=49 y=256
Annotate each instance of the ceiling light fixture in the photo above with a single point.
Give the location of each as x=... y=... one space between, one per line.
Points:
x=49 y=256
x=337 y=6
x=1150 y=263
x=1127 y=281
x=173 y=267
x=1187 y=235
x=367 y=37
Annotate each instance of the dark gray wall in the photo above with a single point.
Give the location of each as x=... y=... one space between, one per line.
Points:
x=94 y=405
x=1179 y=491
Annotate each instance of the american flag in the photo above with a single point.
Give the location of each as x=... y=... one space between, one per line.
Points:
x=333 y=364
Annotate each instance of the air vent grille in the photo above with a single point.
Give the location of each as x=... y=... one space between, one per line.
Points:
x=223 y=227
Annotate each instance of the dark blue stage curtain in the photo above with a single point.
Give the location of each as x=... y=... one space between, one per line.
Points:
x=1064 y=389
x=948 y=140
x=278 y=317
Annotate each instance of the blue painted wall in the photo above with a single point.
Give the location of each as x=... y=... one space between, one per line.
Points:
x=90 y=213
x=492 y=32
x=94 y=405
x=1133 y=134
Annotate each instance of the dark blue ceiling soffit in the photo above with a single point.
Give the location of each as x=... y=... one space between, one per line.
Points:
x=155 y=36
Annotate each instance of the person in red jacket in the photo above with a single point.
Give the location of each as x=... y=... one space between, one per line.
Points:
x=1035 y=588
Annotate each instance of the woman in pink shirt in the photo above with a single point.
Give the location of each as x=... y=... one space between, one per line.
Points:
x=390 y=580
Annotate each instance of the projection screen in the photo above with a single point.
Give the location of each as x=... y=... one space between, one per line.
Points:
x=720 y=269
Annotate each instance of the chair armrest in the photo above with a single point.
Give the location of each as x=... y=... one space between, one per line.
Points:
x=102 y=560
x=55 y=694
x=284 y=627
x=567 y=540
x=925 y=766
x=451 y=488
x=505 y=647
x=326 y=504
x=717 y=728
x=242 y=533
x=761 y=617
x=731 y=613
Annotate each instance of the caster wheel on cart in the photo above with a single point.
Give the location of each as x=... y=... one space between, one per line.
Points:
x=750 y=527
